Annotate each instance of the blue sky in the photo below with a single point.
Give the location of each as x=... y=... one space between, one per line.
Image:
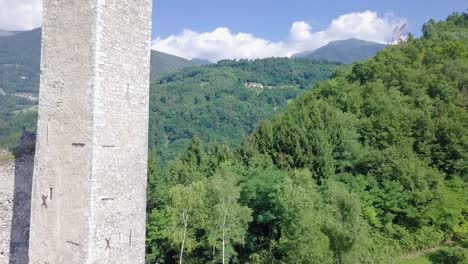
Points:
x=228 y=29
x=219 y=29
x=271 y=19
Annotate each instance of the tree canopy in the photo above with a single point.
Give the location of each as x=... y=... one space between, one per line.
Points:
x=362 y=168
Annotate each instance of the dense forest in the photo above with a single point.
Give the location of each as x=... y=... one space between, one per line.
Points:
x=209 y=101
x=363 y=168
x=215 y=103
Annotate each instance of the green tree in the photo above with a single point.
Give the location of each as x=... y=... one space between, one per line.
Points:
x=154 y=180
x=344 y=226
x=228 y=220
x=186 y=213
x=302 y=239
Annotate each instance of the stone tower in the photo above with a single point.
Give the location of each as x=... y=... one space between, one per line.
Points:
x=88 y=197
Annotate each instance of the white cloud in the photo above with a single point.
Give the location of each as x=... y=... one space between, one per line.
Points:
x=218 y=44
x=20 y=14
x=222 y=43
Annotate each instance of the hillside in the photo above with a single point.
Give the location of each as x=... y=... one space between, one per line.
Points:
x=197 y=61
x=162 y=64
x=344 y=51
x=19 y=62
x=215 y=103
x=19 y=80
x=211 y=101
x=5 y=33
x=20 y=54
x=364 y=168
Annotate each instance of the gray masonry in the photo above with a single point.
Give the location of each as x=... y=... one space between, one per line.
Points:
x=15 y=201
x=7 y=176
x=14 y=210
x=88 y=194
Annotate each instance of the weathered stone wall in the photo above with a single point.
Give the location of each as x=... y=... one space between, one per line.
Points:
x=88 y=202
x=121 y=131
x=15 y=203
x=7 y=183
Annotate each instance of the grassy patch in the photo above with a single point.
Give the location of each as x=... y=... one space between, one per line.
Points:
x=6 y=156
x=416 y=260
x=455 y=254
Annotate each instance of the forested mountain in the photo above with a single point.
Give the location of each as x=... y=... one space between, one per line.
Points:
x=200 y=61
x=344 y=51
x=4 y=33
x=214 y=101
x=223 y=102
x=162 y=64
x=20 y=54
x=363 y=168
x=19 y=80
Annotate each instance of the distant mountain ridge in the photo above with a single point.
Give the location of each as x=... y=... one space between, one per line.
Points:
x=163 y=63
x=198 y=61
x=344 y=51
x=5 y=33
x=20 y=54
